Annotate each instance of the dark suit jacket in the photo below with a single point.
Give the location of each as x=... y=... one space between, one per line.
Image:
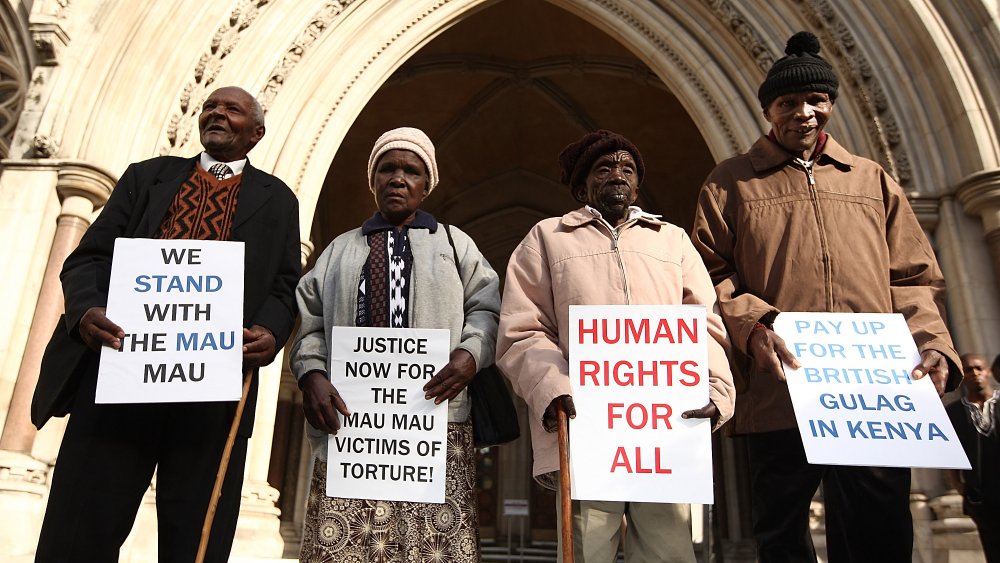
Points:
x=982 y=482
x=266 y=220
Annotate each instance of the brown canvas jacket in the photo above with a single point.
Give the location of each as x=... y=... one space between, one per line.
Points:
x=848 y=243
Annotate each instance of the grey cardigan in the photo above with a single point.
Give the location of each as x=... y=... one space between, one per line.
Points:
x=469 y=307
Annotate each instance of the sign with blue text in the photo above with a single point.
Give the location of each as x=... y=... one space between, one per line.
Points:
x=854 y=399
x=394 y=443
x=634 y=369
x=180 y=303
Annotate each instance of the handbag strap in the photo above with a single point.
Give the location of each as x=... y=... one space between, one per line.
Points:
x=454 y=250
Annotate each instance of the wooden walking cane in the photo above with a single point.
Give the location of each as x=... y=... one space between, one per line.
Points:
x=566 y=503
x=213 y=503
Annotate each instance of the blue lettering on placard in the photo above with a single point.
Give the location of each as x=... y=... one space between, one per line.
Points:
x=885 y=430
x=180 y=284
x=196 y=342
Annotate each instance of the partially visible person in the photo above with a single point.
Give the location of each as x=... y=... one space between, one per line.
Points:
x=397 y=270
x=608 y=252
x=110 y=451
x=995 y=368
x=977 y=422
x=798 y=223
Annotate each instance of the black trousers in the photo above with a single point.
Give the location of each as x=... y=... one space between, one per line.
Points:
x=867 y=508
x=988 y=525
x=105 y=465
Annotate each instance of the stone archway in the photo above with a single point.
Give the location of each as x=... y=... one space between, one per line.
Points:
x=923 y=85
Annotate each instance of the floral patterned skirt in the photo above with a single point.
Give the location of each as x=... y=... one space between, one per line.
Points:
x=361 y=531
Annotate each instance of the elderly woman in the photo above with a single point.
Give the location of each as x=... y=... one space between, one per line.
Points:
x=356 y=282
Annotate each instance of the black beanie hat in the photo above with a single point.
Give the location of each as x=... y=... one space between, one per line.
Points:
x=576 y=159
x=801 y=70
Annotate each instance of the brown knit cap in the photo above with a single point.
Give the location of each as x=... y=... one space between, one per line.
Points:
x=576 y=159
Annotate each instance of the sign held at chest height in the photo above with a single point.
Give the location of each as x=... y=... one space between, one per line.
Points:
x=854 y=399
x=393 y=445
x=180 y=303
x=634 y=370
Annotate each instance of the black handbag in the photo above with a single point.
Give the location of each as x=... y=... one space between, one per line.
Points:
x=494 y=418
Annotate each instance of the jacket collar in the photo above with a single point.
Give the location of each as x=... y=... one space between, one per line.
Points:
x=765 y=154
x=583 y=216
x=376 y=222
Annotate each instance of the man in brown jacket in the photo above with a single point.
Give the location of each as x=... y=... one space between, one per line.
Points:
x=800 y=224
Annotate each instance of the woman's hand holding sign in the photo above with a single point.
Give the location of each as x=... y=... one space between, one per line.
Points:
x=452 y=378
x=321 y=402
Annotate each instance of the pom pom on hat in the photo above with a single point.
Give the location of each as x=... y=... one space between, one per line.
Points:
x=576 y=159
x=409 y=139
x=800 y=70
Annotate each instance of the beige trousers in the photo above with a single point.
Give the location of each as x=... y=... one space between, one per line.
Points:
x=655 y=532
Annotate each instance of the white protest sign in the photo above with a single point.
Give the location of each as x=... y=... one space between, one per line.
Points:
x=854 y=400
x=394 y=444
x=180 y=303
x=634 y=370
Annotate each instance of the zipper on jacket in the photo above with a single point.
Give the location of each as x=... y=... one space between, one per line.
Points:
x=618 y=253
x=807 y=166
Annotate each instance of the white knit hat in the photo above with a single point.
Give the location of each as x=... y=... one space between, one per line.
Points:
x=408 y=139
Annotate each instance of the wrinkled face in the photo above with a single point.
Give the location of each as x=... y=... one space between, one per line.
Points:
x=975 y=373
x=611 y=186
x=401 y=184
x=227 y=124
x=797 y=120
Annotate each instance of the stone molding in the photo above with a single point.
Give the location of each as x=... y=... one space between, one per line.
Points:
x=315 y=29
x=979 y=193
x=20 y=471
x=81 y=179
x=49 y=38
x=926 y=210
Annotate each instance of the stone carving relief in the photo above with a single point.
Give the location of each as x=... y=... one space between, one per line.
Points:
x=13 y=86
x=690 y=76
x=182 y=121
x=313 y=31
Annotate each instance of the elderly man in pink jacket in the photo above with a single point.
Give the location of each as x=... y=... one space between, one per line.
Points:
x=609 y=252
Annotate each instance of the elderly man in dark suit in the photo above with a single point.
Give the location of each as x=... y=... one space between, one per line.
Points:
x=109 y=452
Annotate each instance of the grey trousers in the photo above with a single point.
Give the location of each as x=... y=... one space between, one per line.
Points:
x=655 y=532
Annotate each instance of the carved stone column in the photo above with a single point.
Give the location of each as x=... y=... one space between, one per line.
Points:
x=258 y=533
x=81 y=188
x=980 y=195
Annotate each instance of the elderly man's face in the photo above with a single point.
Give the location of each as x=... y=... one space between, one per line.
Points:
x=401 y=184
x=227 y=124
x=976 y=373
x=612 y=185
x=797 y=120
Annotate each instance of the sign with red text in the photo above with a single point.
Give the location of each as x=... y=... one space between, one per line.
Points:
x=854 y=399
x=634 y=369
x=394 y=444
x=180 y=303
